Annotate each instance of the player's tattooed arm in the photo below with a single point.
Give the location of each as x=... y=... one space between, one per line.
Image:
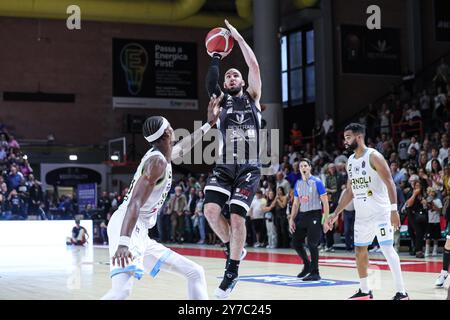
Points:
x=187 y=143
x=254 y=76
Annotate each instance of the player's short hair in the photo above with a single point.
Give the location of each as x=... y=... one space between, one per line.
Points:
x=306 y=160
x=152 y=125
x=356 y=128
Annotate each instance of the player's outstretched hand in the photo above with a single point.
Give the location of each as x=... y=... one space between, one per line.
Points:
x=121 y=257
x=395 y=220
x=214 y=109
x=234 y=33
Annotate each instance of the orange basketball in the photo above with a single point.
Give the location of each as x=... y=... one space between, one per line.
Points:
x=219 y=40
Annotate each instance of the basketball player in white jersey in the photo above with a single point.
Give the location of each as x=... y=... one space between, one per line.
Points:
x=131 y=250
x=372 y=190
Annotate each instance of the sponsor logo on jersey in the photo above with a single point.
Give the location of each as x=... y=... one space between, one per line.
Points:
x=360 y=183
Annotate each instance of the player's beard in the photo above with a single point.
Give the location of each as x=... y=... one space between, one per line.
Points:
x=235 y=90
x=352 y=146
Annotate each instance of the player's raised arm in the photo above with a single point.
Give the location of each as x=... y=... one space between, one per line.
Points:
x=187 y=143
x=212 y=77
x=381 y=166
x=153 y=171
x=254 y=76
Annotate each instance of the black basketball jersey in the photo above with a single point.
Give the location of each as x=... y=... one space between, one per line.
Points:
x=239 y=123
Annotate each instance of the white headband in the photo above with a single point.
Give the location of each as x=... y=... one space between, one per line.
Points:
x=159 y=133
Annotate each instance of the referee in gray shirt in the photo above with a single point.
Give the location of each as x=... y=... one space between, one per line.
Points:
x=306 y=219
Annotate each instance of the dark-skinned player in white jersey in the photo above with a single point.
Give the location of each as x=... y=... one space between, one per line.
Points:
x=371 y=188
x=131 y=250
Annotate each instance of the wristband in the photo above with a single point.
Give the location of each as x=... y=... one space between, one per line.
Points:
x=393 y=207
x=124 y=241
x=206 y=127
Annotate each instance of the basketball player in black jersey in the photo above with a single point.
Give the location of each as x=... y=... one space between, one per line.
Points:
x=237 y=172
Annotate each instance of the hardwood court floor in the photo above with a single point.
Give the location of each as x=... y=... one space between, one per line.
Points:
x=62 y=272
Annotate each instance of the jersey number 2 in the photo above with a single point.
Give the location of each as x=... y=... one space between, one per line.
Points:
x=248 y=177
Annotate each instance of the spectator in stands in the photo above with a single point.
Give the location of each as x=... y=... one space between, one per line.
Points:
x=444 y=150
x=104 y=204
x=5 y=214
x=269 y=217
x=434 y=156
x=425 y=106
x=413 y=114
x=397 y=175
x=332 y=183
x=436 y=176
x=24 y=194
x=257 y=218
x=201 y=216
x=418 y=215
x=385 y=119
x=16 y=206
x=328 y=128
x=282 y=182
x=104 y=228
x=13 y=144
x=36 y=201
x=293 y=155
x=441 y=79
x=190 y=211
x=177 y=207
x=3 y=154
x=4 y=141
x=280 y=218
x=317 y=131
x=296 y=136
x=434 y=206
x=293 y=176
x=413 y=145
x=14 y=178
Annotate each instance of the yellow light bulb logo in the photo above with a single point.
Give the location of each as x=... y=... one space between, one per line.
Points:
x=134 y=60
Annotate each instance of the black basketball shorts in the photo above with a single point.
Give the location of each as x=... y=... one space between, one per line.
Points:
x=237 y=183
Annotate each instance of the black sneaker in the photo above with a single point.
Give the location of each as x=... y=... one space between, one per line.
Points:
x=312 y=277
x=227 y=285
x=400 y=296
x=361 y=296
x=304 y=273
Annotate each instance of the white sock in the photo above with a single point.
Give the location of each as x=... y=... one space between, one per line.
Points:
x=393 y=261
x=121 y=287
x=427 y=249
x=364 y=283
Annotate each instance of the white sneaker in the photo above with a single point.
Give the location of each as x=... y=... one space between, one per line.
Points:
x=375 y=249
x=441 y=280
x=256 y=245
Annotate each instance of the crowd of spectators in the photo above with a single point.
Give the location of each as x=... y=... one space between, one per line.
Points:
x=410 y=129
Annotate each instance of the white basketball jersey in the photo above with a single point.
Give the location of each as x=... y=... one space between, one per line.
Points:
x=149 y=211
x=370 y=194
